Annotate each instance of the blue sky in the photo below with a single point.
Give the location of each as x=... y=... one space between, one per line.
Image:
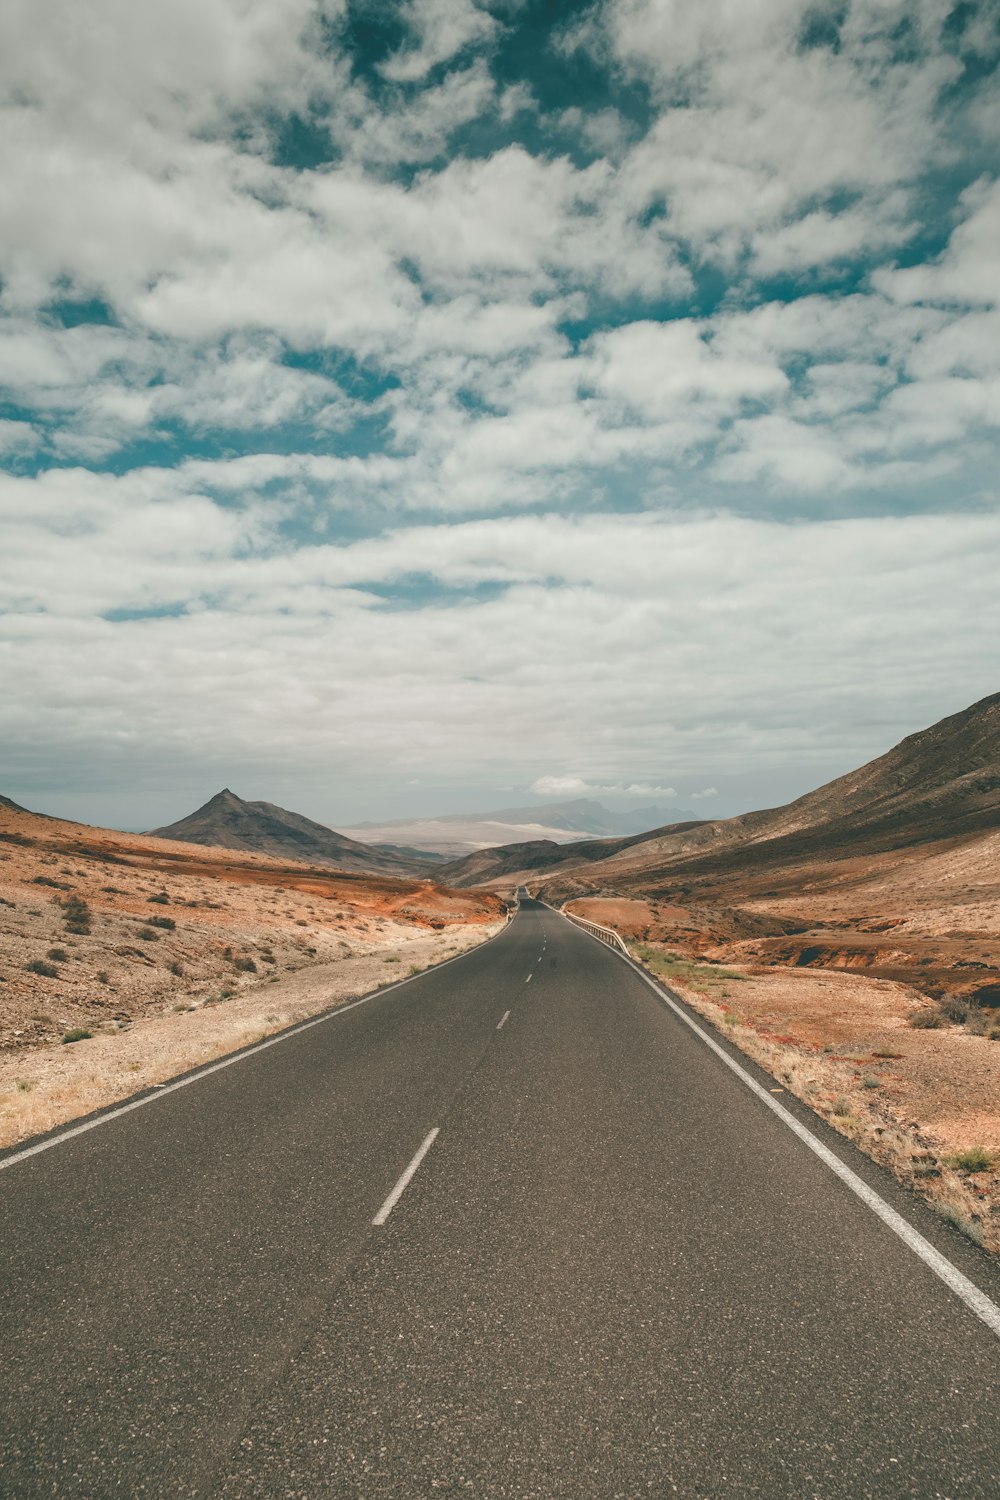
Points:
x=414 y=407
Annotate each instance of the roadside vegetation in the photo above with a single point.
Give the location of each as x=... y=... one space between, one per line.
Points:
x=673 y=968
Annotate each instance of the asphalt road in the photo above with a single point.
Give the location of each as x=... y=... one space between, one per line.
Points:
x=614 y=1272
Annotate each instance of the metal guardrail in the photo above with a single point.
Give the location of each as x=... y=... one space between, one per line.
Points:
x=606 y=934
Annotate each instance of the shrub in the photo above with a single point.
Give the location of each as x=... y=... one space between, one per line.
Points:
x=167 y=923
x=161 y=900
x=76 y=915
x=177 y=968
x=955 y=1010
x=59 y=955
x=975 y=1159
x=841 y=1105
x=928 y=1018
x=78 y=1034
x=103 y=977
x=58 y=885
x=245 y=965
x=39 y=966
x=147 y=935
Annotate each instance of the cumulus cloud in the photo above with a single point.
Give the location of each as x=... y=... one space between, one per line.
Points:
x=441 y=28
x=173 y=626
x=388 y=411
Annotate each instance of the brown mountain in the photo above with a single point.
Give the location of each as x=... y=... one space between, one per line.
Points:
x=538 y=855
x=941 y=783
x=227 y=822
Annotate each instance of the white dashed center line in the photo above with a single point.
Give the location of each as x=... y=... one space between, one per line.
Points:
x=406 y=1179
x=503 y=1019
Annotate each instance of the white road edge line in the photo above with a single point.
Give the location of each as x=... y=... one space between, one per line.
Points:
x=161 y=1090
x=975 y=1300
x=528 y=980
x=406 y=1179
x=503 y=1019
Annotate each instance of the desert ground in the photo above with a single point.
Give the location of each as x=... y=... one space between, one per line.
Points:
x=125 y=959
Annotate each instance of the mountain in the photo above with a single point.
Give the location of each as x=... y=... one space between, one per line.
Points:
x=227 y=822
x=537 y=855
x=940 y=783
x=12 y=806
x=458 y=834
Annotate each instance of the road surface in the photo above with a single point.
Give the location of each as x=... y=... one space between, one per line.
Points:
x=613 y=1272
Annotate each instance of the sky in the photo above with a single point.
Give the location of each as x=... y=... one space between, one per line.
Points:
x=414 y=407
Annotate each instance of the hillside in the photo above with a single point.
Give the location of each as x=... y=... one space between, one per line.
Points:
x=539 y=855
x=159 y=955
x=227 y=822
x=942 y=782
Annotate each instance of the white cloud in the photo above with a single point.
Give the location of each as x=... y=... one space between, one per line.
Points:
x=654 y=367
x=96 y=63
x=522 y=332
x=754 y=128
x=702 y=644
x=17 y=437
x=821 y=236
x=966 y=273
x=442 y=28
x=576 y=786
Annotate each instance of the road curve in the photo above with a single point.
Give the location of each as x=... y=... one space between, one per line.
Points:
x=510 y=1229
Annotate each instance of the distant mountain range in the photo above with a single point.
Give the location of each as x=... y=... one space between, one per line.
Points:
x=941 y=783
x=458 y=834
x=227 y=822
x=409 y=848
